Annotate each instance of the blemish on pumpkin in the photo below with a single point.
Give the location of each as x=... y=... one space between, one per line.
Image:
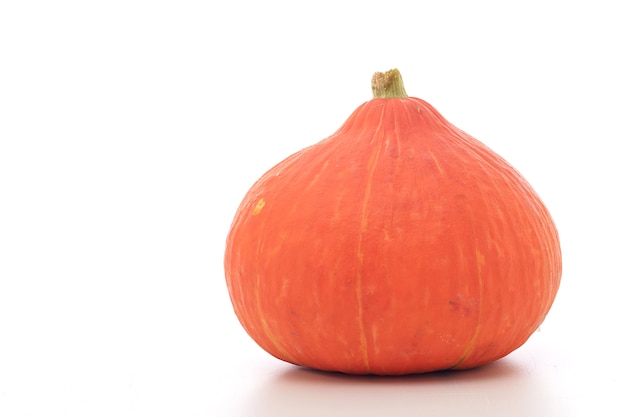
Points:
x=480 y=259
x=436 y=162
x=259 y=206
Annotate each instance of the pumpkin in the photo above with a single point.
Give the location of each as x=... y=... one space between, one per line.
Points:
x=398 y=245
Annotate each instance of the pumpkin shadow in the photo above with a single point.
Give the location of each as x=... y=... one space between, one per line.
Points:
x=503 y=388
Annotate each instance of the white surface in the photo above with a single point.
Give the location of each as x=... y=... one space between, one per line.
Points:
x=129 y=131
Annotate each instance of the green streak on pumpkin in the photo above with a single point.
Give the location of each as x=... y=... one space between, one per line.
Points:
x=480 y=262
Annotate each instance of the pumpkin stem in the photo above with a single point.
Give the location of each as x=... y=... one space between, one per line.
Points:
x=388 y=85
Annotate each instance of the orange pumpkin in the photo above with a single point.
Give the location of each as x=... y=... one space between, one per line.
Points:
x=400 y=244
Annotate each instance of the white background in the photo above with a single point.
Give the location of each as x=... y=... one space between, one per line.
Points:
x=130 y=130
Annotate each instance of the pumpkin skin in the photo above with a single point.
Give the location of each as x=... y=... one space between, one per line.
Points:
x=398 y=245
